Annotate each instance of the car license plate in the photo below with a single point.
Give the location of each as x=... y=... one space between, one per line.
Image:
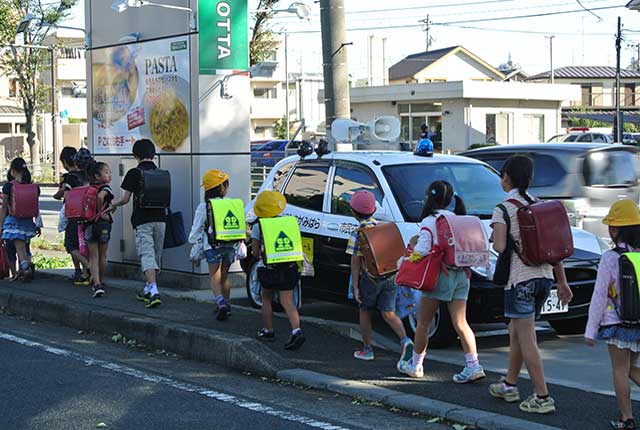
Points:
x=552 y=305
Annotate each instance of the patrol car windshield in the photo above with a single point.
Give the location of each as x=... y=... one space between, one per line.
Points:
x=477 y=184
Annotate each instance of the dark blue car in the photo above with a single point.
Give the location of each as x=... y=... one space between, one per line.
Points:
x=268 y=154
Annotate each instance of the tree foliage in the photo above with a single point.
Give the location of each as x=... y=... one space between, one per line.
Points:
x=26 y=65
x=263 y=40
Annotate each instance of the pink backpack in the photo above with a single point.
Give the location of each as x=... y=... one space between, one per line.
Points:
x=463 y=240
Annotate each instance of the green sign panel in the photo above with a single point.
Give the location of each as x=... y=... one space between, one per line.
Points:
x=223 y=42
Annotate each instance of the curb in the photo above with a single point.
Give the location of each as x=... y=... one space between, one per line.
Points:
x=236 y=352
x=468 y=416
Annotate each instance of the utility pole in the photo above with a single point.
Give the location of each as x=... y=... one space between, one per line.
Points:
x=427 y=30
x=286 y=79
x=553 y=80
x=617 y=124
x=54 y=114
x=335 y=68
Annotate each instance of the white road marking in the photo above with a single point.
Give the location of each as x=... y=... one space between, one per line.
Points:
x=156 y=379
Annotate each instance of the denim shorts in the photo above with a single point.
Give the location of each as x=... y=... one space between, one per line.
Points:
x=377 y=294
x=525 y=299
x=451 y=286
x=223 y=254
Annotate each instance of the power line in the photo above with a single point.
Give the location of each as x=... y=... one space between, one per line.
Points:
x=505 y=30
x=502 y=18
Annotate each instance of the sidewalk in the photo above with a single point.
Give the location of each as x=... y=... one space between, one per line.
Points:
x=189 y=328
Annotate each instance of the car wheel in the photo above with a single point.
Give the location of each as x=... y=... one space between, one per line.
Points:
x=569 y=326
x=441 y=333
x=253 y=290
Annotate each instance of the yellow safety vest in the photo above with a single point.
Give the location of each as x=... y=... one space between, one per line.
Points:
x=281 y=239
x=228 y=219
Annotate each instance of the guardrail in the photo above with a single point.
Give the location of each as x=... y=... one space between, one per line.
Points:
x=258 y=176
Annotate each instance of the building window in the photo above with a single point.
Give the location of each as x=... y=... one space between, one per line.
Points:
x=534 y=128
x=271 y=56
x=586 y=95
x=497 y=129
x=5 y=128
x=629 y=95
x=265 y=93
x=66 y=92
x=13 y=88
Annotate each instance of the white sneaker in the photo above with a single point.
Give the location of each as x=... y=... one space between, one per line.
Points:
x=408 y=368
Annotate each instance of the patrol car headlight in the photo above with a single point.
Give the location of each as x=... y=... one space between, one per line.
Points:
x=487 y=272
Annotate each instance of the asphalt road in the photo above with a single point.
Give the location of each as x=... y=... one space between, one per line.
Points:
x=54 y=377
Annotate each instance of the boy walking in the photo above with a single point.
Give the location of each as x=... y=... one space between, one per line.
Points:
x=148 y=222
x=369 y=293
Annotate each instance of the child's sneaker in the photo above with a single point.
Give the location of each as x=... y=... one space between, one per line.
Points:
x=408 y=368
x=365 y=354
x=143 y=297
x=629 y=424
x=98 y=290
x=501 y=391
x=407 y=350
x=82 y=279
x=154 y=301
x=223 y=311
x=535 y=404
x=266 y=334
x=469 y=374
x=295 y=341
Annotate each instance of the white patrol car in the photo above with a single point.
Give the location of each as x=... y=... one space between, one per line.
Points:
x=318 y=191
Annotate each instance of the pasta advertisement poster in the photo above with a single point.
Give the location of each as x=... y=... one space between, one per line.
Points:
x=139 y=91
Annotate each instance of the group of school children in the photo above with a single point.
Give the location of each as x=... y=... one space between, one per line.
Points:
x=218 y=236
x=526 y=291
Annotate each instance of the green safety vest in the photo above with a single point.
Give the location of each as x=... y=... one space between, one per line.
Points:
x=228 y=219
x=281 y=239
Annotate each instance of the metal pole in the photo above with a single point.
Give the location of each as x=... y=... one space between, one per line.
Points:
x=428 y=23
x=553 y=80
x=54 y=114
x=286 y=72
x=618 y=119
x=334 y=59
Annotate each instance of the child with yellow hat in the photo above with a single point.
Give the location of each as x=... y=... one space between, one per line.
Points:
x=605 y=320
x=219 y=228
x=276 y=242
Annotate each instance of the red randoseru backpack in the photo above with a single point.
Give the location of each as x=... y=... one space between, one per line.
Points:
x=545 y=232
x=80 y=203
x=24 y=200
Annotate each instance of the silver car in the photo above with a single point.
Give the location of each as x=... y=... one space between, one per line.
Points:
x=586 y=177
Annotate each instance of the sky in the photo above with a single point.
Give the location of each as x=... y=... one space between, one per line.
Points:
x=580 y=38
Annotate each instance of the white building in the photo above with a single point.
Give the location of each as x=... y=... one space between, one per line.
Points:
x=466 y=113
x=71 y=88
x=12 y=119
x=268 y=97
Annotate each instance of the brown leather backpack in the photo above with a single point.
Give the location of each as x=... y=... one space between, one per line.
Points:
x=381 y=247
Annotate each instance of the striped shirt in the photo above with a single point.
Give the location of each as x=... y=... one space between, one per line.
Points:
x=519 y=271
x=352 y=244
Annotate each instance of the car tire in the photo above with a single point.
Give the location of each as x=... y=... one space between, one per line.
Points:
x=441 y=333
x=569 y=326
x=253 y=290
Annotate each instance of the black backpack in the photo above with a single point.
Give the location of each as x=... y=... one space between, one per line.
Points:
x=155 y=189
x=629 y=308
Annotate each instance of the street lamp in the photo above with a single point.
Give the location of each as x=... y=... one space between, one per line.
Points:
x=30 y=22
x=302 y=11
x=122 y=5
x=634 y=5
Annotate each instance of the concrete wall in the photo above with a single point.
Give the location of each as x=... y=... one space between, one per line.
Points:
x=365 y=112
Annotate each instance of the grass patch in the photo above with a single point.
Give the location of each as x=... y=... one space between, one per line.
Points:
x=45 y=262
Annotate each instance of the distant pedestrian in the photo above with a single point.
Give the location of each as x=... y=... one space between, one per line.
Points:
x=452 y=288
x=525 y=292
x=273 y=239
x=604 y=321
x=218 y=225
x=97 y=232
x=372 y=294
